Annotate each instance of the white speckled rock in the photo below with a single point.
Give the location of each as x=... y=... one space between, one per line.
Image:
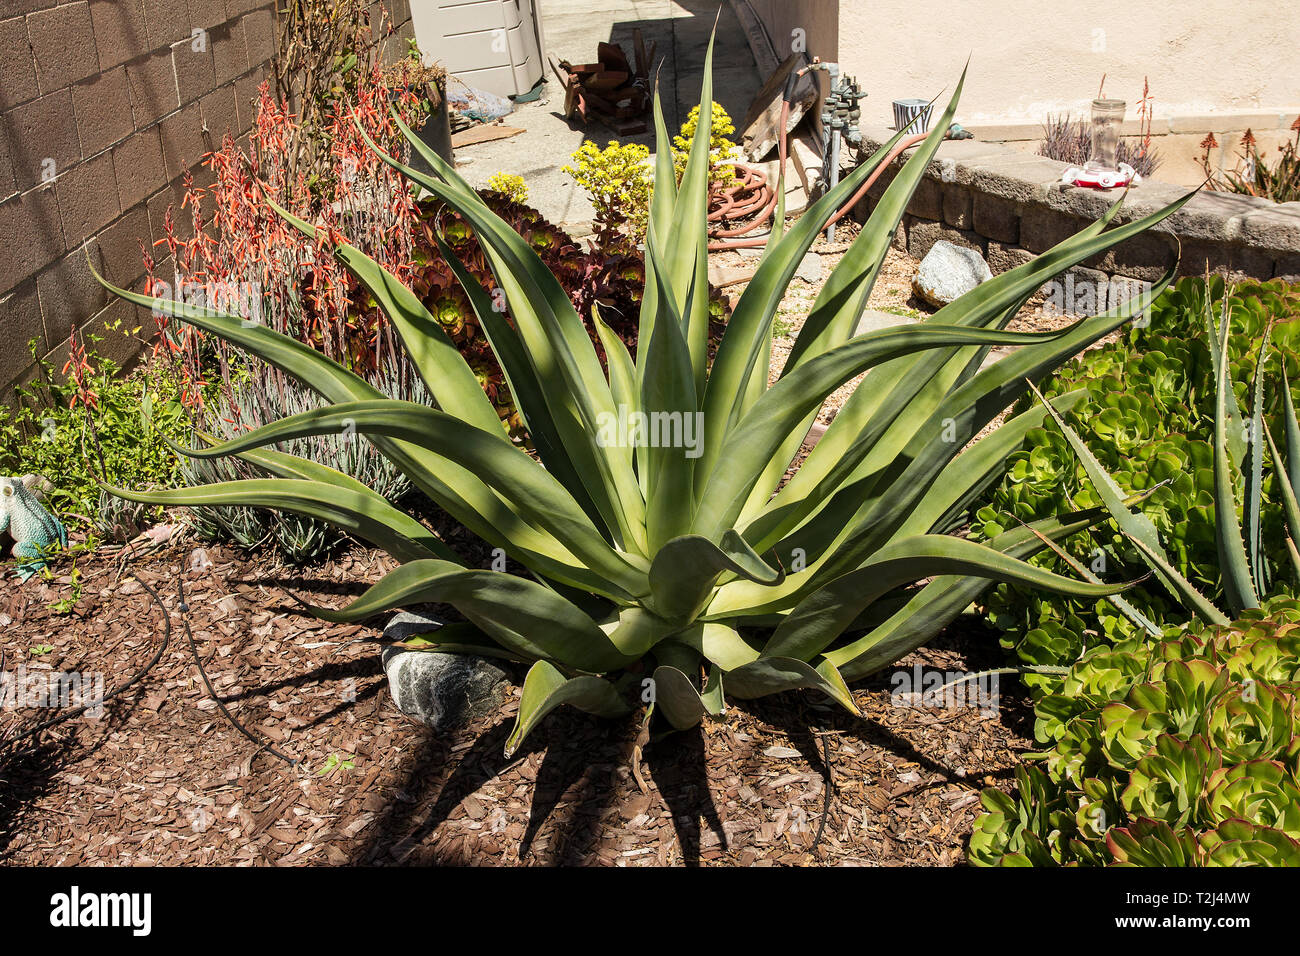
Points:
x=440 y=690
x=948 y=272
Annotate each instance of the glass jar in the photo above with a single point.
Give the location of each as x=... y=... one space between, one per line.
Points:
x=1107 y=117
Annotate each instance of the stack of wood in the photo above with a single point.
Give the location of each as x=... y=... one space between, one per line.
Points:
x=609 y=90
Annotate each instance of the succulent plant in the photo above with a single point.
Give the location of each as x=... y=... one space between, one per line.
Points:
x=1178 y=752
x=1218 y=523
x=663 y=542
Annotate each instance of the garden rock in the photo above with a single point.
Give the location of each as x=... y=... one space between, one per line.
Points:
x=810 y=268
x=948 y=272
x=443 y=691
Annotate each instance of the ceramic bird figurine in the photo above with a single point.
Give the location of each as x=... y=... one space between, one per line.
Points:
x=33 y=529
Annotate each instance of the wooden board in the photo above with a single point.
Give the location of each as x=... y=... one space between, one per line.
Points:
x=759 y=133
x=482 y=134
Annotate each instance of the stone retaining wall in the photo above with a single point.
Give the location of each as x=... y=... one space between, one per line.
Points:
x=1011 y=206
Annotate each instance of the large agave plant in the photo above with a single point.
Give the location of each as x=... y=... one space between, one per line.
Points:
x=694 y=565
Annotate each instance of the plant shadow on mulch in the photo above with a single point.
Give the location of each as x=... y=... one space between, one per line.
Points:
x=163 y=778
x=577 y=782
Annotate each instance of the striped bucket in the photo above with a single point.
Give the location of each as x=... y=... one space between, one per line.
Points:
x=905 y=111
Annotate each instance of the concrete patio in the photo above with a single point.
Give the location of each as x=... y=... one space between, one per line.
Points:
x=572 y=29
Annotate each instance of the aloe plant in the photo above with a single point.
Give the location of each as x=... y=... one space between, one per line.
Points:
x=1240 y=443
x=696 y=565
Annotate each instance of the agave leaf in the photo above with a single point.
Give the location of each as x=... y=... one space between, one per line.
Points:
x=1001 y=297
x=622 y=370
x=518 y=614
x=546 y=688
x=444 y=370
x=537 y=495
x=1217 y=333
x=753 y=442
x=684 y=570
x=880 y=505
x=668 y=394
x=683 y=252
x=879 y=418
x=1121 y=605
x=864 y=513
x=841 y=300
x=747 y=338
x=773 y=675
x=1290 y=505
x=677 y=698
x=1292 y=424
x=964 y=478
x=928 y=378
x=635 y=630
x=663 y=199
x=526 y=388
x=283 y=465
x=934 y=606
x=718 y=643
x=1138 y=528
x=346 y=508
x=1233 y=563
x=556 y=341
x=459 y=637
x=456 y=489
x=824 y=615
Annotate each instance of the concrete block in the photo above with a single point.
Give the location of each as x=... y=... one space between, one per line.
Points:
x=957 y=201
x=1272 y=228
x=1003 y=257
x=922 y=234
x=138 y=166
x=33 y=234
x=154 y=93
x=195 y=76
x=220 y=115
x=120 y=32
x=259 y=33
x=69 y=292
x=88 y=199
x=1013 y=176
x=1042 y=227
x=22 y=311
x=167 y=21
x=63 y=45
x=229 y=51
x=996 y=218
x=927 y=200
x=103 y=110
x=43 y=138
x=120 y=246
x=17 y=71
x=181 y=136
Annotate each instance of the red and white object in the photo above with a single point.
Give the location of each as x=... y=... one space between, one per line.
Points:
x=1101 y=178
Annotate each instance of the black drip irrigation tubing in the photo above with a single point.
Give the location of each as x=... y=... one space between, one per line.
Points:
x=140 y=674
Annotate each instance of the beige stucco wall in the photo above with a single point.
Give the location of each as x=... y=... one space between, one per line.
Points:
x=1218 y=65
x=1033 y=57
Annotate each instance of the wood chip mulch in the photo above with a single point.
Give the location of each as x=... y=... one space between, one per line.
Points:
x=161 y=777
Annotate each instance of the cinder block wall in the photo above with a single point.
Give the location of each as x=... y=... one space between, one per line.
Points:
x=104 y=105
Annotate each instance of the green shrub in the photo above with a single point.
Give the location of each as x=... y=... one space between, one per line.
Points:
x=1147 y=414
x=44 y=434
x=1181 y=752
